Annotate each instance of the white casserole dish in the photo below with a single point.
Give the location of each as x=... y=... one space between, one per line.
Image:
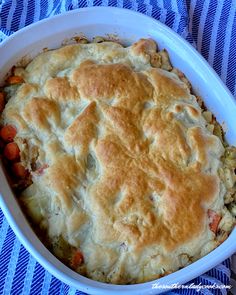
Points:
x=129 y=26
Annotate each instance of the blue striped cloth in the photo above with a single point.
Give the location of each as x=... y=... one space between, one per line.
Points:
x=209 y=25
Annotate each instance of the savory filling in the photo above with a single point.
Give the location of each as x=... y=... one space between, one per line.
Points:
x=98 y=179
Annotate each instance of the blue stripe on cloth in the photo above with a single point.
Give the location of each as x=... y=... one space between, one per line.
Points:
x=2 y=217
x=65 y=289
x=167 y=5
x=127 y=4
x=208 y=28
x=44 y=4
x=182 y=7
x=226 y=263
x=113 y=3
x=54 y=286
x=30 y=14
x=37 y=281
x=20 y=271
x=16 y=16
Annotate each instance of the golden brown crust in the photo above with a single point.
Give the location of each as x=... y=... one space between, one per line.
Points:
x=144 y=47
x=39 y=111
x=83 y=129
x=64 y=186
x=130 y=158
x=106 y=81
x=60 y=89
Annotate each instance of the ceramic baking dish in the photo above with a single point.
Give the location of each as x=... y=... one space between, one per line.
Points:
x=129 y=26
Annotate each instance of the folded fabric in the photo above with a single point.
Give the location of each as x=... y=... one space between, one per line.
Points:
x=210 y=26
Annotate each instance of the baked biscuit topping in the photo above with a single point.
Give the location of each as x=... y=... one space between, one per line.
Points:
x=124 y=169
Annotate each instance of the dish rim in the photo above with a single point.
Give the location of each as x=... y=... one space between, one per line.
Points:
x=88 y=283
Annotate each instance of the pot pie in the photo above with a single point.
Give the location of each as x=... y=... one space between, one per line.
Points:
x=121 y=170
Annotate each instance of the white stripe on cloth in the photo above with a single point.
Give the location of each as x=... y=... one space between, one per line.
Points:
x=213 y=281
x=120 y=3
x=23 y=14
x=72 y=291
x=202 y=24
x=12 y=267
x=224 y=66
x=135 y=5
x=2 y=35
x=163 y=13
x=211 y=55
x=147 y=2
x=176 y=22
x=185 y=33
x=10 y=14
x=205 y=292
x=90 y=3
x=50 y=7
x=75 y=4
x=174 y=7
x=3 y=232
x=63 y=6
x=29 y=276
x=149 y=10
x=46 y=283
x=105 y=2
x=36 y=11
x=160 y=3
x=223 y=269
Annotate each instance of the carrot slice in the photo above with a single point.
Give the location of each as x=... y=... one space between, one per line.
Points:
x=2 y=101
x=19 y=170
x=214 y=220
x=14 y=80
x=2 y=144
x=8 y=133
x=77 y=259
x=11 y=151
